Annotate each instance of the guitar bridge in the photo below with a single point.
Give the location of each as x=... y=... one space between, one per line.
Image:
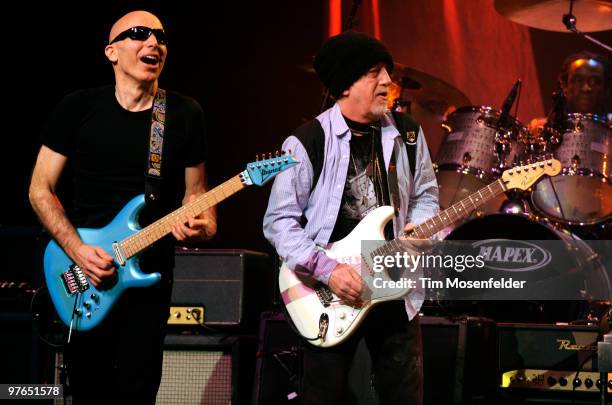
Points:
x=324 y=293
x=75 y=280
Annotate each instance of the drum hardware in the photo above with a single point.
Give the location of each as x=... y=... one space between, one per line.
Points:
x=479 y=144
x=515 y=204
x=560 y=16
x=575 y=163
x=585 y=185
x=433 y=95
x=399 y=104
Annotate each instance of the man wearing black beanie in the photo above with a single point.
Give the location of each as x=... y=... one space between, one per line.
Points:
x=354 y=159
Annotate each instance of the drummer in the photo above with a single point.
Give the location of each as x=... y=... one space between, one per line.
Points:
x=585 y=79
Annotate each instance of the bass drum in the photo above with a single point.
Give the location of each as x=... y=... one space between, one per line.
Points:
x=497 y=230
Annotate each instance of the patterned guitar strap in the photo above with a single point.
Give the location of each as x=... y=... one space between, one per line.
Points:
x=153 y=175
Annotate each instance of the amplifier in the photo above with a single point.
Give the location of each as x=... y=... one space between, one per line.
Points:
x=233 y=286
x=278 y=357
x=547 y=347
x=555 y=380
x=548 y=358
x=197 y=369
x=458 y=360
x=207 y=369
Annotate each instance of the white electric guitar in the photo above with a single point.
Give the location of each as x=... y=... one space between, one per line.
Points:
x=322 y=318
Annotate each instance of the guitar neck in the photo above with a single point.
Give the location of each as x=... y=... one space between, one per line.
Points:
x=144 y=238
x=458 y=210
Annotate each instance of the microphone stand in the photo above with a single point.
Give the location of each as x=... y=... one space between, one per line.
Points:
x=569 y=20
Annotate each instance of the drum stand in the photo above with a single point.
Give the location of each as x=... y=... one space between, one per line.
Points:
x=569 y=20
x=604 y=360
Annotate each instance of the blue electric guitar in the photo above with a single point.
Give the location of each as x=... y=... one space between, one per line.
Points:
x=79 y=304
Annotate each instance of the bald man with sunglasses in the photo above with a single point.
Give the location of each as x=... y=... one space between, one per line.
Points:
x=104 y=134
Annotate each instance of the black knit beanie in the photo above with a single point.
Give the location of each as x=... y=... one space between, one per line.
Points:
x=344 y=58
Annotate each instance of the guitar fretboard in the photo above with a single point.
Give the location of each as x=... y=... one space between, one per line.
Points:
x=144 y=238
x=446 y=218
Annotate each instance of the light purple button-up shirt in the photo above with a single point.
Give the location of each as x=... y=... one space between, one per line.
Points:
x=291 y=197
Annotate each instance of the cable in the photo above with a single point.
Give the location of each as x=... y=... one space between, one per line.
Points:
x=578 y=372
x=36 y=317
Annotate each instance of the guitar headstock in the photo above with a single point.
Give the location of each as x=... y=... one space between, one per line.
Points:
x=523 y=177
x=260 y=172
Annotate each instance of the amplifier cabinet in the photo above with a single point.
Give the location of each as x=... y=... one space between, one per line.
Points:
x=278 y=356
x=233 y=286
x=459 y=363
x=197 y=370
x=206 y=370
x=458 y=360
x=551 y=347
x=548 y=363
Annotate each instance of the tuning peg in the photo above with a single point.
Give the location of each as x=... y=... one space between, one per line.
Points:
x=276 y=154
x=257 y=157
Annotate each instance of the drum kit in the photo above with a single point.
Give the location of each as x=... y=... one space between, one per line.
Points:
x=480 y=142
x=476 y=150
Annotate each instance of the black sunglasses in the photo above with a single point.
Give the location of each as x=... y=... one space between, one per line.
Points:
x=141 y=33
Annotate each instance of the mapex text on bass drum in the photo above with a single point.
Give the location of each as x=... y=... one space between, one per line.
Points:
x=567 y=263
x=476 y=149
x=582 y=194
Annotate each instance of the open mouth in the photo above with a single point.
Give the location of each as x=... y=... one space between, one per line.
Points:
x=382 y=94
x=150 y=59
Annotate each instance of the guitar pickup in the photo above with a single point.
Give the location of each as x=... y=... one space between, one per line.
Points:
x=75 y=280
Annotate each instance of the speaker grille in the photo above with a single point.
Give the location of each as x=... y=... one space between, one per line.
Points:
x=196 y=377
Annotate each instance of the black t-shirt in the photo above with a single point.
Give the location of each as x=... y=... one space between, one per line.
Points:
x=364 y=189
x=107 y=149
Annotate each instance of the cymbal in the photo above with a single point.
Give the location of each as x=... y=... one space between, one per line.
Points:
x=430 y=95
x=591 y=15
x=429 y=92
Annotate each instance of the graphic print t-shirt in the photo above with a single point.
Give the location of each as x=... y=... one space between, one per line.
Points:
x=359 y=197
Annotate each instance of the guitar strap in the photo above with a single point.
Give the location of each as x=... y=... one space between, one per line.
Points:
x=409 y=131
x=153 y=174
